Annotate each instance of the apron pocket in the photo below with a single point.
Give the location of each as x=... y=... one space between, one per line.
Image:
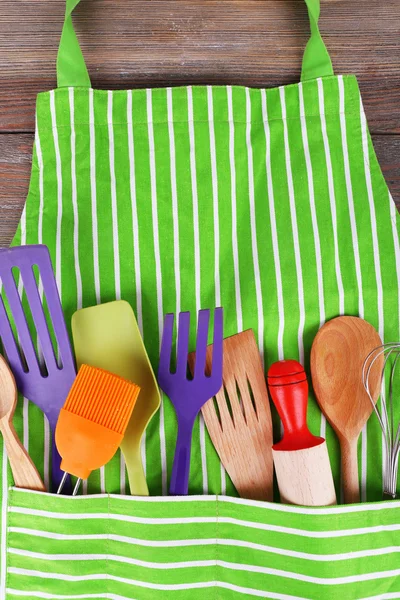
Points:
x=122 y=547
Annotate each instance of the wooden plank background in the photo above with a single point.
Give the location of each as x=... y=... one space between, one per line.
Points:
x=151 y=43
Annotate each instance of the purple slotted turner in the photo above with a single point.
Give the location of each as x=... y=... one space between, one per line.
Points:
x=48 y=391
x=189 y=395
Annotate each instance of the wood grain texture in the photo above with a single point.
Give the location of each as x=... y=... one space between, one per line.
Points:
x=241 y=427
x=24 y=471
x=337 y=357
x=305 y=476
x=132 y=43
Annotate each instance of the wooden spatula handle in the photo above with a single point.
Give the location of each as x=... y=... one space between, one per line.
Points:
x=351 y=486
x=24 y=471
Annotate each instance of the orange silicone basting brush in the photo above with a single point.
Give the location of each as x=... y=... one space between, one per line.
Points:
x=93 y=421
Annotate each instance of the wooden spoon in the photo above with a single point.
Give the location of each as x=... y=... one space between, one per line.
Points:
x=24 y=471
x=337 y=356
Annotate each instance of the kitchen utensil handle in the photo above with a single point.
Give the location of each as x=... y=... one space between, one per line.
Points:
x=351 y=486
x=137 y=478
x=288 y=387
x=56 y=473
x=305 y=477
x=24 y=471
x=179 y=485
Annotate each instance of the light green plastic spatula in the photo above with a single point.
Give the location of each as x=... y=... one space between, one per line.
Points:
x=107 y=336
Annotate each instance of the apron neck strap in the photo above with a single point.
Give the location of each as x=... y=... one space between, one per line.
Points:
x=71 y=66
x=316 y=59
x=72 y=70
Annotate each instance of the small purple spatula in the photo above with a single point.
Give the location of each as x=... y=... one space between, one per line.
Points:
x=45 y=381
x=189 y=395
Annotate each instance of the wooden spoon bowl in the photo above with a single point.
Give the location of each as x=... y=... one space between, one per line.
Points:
x=337 y=358
x=8 y=392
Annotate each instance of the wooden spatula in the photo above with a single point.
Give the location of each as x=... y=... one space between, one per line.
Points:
x=241 y=428
x=337 y=357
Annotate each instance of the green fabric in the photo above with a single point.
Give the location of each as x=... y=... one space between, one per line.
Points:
x=71 y=67
x=270 y=203
x=175 y=199
x=123 y=548
x=72 y=71
x=316 y=60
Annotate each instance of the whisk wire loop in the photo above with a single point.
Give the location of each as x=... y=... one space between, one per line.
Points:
x=386 y=410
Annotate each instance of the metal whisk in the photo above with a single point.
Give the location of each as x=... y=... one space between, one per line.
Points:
x=388 y=420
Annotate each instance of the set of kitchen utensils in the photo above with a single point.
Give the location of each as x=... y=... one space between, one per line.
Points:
x=108 y=402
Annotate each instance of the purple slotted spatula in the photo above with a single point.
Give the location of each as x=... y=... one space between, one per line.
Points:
x=47 y=388
x=189 y=395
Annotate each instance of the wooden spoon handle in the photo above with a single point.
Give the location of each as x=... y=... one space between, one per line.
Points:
x=24 y=471
x=351 y=486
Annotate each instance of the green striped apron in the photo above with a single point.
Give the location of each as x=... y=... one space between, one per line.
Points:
x=270 y=203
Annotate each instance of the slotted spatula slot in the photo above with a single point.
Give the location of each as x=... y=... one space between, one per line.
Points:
x=10 y=348
x=17 y=348
x=54 y=308
x=223 y=410
x=21 y=343
x=252 y=397
x=240 y=399
x=246 y=401
x=19 y=281
x=214 y=402
x=33 y=308
x=234 y=402
x=40 y=323
x=182 y=346
x=201 y=344
x=228 y=402
x=50 y=328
